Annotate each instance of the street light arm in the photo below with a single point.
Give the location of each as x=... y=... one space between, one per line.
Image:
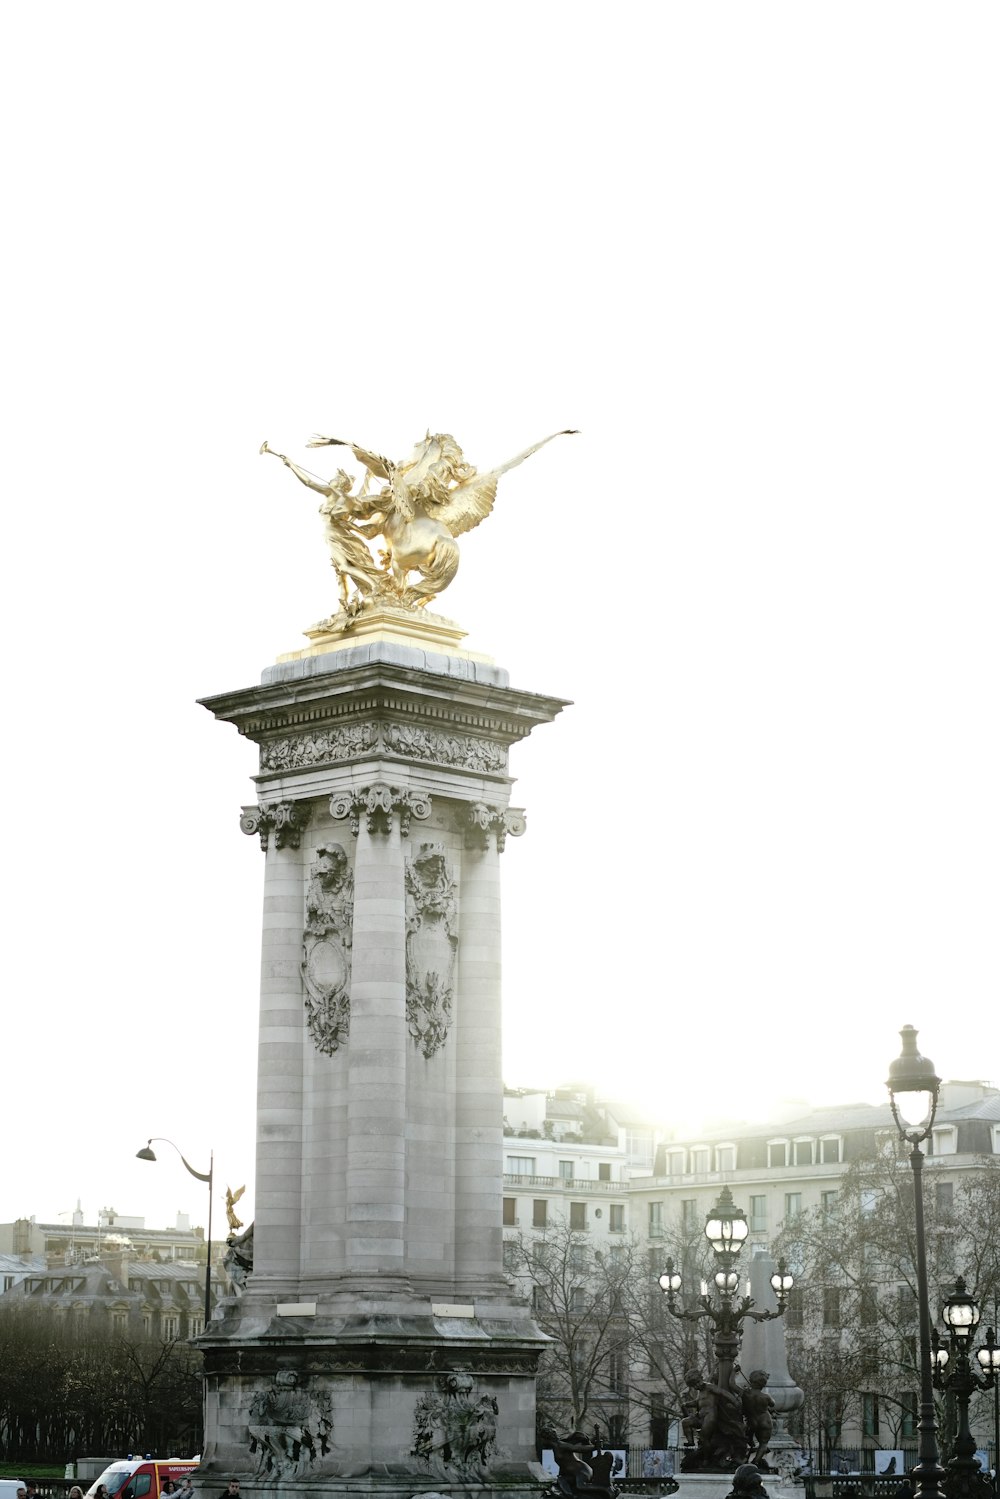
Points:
x=202 y=1176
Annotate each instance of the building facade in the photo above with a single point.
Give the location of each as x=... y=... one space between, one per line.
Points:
x=571 y=1161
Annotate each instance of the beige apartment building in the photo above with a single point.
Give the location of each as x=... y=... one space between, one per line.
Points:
x=571 y=1159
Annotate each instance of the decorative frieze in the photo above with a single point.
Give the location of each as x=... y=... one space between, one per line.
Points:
x=324 y=747
x=379 y=803
x=483 y=820
x=290 y=1428
x=431 y=940
x=455 y=1429
x=285 y=820
x=460 y=750
x=326 y=948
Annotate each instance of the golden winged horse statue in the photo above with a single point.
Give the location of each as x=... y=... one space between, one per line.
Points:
x=426 y=501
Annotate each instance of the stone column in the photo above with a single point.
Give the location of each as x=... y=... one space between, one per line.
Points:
x=374 y=1224
x=479 y=1078
x=277 y=1225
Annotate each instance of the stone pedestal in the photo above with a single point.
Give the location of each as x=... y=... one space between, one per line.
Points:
x=377 y=1345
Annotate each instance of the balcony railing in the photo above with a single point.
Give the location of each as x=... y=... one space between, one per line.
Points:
x=568 y=1183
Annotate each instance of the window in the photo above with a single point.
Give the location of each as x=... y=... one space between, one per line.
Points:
x=675 y=1162
x=868 y=1307
x=578 y=1216
x=170 y=1327
x=944 y=1141
x=906 y=1302
x=539 y=1213
x=604 y=1171
x=908 y=1400
x=869 y=1414
x=197 y=1326
x=655 y=1219
x=639 y=1147
x=566 y=1170
x=793 y=1204
x=139 y=1485
x=617 y=1371
x=578 y=1258
x=510 y=1255
x=725 y=1158
x=521 y=1165
x=828 y=1202
x=830 y=1151
x=119 y=1321
x=777 y=1153
x=689 y=1214
x=509 y=1212
x=793 y=1311
x=577 y=1299
x=758 y=1213
x=699 y=1159
x=944 y=1196
x=831 y=1306
x=803 y=1152
x=616 y=1224
x=658 y=1425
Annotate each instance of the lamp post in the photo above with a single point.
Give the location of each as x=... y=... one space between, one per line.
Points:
x=146 y=1154
x=726 y=1228
x=913 y=1093
x=964 y=1479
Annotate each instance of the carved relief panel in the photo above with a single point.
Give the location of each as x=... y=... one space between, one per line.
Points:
x=431 y=941
x=326 y=948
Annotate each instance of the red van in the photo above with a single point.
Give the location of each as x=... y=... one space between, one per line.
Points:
x=142 y=1477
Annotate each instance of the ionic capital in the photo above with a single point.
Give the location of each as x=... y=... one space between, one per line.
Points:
x=379 y=803
x=483 y=820
x=285 y=820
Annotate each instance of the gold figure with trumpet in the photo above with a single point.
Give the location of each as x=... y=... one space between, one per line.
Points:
x=423 y=504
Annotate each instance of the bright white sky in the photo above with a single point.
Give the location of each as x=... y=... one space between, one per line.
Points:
x=752 y=252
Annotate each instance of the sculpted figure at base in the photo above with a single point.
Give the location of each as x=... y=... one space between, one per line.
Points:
x=758 y=1409
x=583 y=1467
x=424 y=502
x=718 y=1422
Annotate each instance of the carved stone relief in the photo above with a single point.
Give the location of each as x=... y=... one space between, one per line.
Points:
x=326 y=948
x=285 y=820
x=238 y=1260
x=324 y=747
x=462 y=750
x=431 y=940
x=379 y=803
x=454 y=1430
x=289 y=1427
x=482 y=820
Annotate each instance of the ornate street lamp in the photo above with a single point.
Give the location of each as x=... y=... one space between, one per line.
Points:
x=913 y=1093
x=964 y=1477
x=146 y=1154
x=726 y=1229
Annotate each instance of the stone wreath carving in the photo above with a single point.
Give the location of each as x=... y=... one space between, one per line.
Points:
x=446 y=749
x=326 y=948
x=289 y=1427
x=378 y=804
x=431 y=940
x=321 y=748
x=484 y=820
x=454 y=1430
x=285 y=820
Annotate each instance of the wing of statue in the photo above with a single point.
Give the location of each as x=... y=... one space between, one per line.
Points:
x=380 y=467
x=469 y=503
x=232 y=1197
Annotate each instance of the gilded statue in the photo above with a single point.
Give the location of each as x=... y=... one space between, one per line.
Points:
x=232 y=1198
x=419 y=507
